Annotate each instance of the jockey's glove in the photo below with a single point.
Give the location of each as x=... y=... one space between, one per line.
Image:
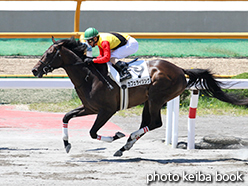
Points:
x=88 y=60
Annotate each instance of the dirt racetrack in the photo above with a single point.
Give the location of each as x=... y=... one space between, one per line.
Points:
x=219 y=66
x=35 y=156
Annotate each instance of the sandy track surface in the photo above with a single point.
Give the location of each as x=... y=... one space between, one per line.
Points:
x=37 y=157
x=220 y=66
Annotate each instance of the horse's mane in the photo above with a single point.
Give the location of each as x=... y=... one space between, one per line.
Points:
x=79 y=49
x=74 y=45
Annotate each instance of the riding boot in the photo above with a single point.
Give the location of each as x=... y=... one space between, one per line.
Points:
x=121 y=67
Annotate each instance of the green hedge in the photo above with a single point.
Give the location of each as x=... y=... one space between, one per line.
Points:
x=147 y=47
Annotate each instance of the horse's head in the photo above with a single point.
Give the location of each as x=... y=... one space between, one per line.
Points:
x=49 y=61
x=57 y=55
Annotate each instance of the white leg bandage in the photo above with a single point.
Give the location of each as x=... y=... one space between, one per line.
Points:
x=65 y=131
x=139 y=132
x=105 y=138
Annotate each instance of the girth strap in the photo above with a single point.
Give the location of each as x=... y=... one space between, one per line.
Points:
x=124 y=99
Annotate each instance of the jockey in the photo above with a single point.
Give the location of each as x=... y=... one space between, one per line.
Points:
x=112 y=46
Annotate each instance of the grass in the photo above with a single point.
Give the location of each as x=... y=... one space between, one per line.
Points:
x=206 y=106
x=147 y=47
x=63 y=106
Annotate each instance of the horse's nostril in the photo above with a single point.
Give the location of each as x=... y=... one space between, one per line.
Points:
x=35 y=72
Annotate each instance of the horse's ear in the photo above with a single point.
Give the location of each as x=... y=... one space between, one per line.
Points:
x=53 y=39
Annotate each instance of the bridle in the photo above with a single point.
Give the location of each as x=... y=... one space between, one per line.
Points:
x=47 y=66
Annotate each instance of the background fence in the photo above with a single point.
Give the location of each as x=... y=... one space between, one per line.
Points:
x=161 y=24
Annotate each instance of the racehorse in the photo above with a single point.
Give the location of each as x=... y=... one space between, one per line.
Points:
x=92 y=82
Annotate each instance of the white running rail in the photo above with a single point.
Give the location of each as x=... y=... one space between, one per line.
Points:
x=173 y=112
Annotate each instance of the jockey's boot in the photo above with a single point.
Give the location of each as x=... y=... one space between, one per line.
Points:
x=121 y=67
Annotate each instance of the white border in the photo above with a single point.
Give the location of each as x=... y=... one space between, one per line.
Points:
x=125 y=5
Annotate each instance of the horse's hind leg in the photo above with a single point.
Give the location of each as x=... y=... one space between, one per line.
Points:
x=80 y=111
x=151 y=119
x=144 y=128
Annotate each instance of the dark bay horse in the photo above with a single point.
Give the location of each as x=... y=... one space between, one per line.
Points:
x=167 y=82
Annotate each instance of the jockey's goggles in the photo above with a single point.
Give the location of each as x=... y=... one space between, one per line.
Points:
x=90 y=40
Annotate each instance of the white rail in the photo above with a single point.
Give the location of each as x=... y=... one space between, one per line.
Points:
x=26 y=83
x=32 y=83
x=173 y=112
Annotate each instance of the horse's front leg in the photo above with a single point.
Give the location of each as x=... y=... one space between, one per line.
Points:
x=80 y=111
x=102 y=118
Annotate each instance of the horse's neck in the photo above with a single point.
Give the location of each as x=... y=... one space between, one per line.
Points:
x=76 y=72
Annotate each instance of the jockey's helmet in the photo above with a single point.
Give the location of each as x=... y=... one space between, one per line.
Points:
x=90 y=33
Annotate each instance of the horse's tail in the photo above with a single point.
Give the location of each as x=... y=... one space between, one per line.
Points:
x=203 y=79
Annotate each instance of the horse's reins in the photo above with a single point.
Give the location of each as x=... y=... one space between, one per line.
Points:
x=47 y=66
x=109 y=85
x=106 y=81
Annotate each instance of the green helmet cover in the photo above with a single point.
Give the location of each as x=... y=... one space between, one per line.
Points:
x=90 y=33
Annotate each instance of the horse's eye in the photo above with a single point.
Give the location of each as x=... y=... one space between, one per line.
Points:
x=50 y=50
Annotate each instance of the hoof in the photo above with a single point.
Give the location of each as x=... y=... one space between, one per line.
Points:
x=129 y=144
x=120 y=134
x=118 y=153
x=68 y=148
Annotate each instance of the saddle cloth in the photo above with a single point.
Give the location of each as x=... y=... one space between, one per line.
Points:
x=138 y=70
x=140 y=76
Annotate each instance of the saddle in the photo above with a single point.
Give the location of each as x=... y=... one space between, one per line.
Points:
x=138 y=70
x=140 y=76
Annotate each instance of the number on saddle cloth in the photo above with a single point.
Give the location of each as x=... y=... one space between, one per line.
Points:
x=139 y=72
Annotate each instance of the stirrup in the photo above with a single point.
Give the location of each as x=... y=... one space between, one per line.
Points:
x=125 y=75
x=121 y=67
